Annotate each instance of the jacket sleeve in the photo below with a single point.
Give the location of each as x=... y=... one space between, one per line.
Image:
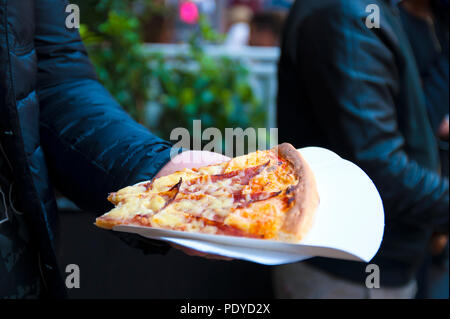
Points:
x=356 y=70
x=92 y=146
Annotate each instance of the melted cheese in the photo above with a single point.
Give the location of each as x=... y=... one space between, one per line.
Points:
x=209 y=207
x=155 y=203
x=261 y=219
x=211 y=170
x=164 y=183
x=169 y=218
x=271 y=181
x=204 y=200
x=241 y=162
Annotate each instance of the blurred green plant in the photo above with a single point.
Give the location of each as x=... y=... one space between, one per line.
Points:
x=112 y=36
x=215 y=90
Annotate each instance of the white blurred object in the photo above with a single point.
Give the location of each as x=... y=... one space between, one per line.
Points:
x=238 y=35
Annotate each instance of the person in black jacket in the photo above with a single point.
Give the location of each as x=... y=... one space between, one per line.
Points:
x=60 y=127
x=426 y=24
x=353 y=87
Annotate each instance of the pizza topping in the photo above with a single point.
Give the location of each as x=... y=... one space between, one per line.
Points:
x=170 y=195
x=203 y=205
x=241 y=177
x=244 y=200
x=207 y=198
x=247 y=196
x=221 y=228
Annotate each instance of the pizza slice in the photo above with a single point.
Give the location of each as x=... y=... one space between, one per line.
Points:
x=266 y=194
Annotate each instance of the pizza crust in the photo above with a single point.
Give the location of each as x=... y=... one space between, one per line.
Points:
x=107 y=223
x=299 y=219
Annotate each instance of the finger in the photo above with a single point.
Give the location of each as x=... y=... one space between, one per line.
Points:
x=189 y=251
x=444 y=128
x=217 y=257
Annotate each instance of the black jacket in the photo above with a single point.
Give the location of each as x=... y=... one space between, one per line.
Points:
x=430 y=45
x=357 y=91
x=59 y=126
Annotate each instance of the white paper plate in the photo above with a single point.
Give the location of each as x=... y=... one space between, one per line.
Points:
x=349 y=223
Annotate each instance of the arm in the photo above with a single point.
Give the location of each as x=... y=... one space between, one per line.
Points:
x=356 y=70
x=92 y=146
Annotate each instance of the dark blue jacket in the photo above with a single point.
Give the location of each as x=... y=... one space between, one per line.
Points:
x=60 y=127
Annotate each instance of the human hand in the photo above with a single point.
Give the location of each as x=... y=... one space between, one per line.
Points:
x=443 y=131
x=193 y=159
x=438 y=243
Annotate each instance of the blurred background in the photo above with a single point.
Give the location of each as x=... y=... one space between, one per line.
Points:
x=169 y=62
x=204 y=59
